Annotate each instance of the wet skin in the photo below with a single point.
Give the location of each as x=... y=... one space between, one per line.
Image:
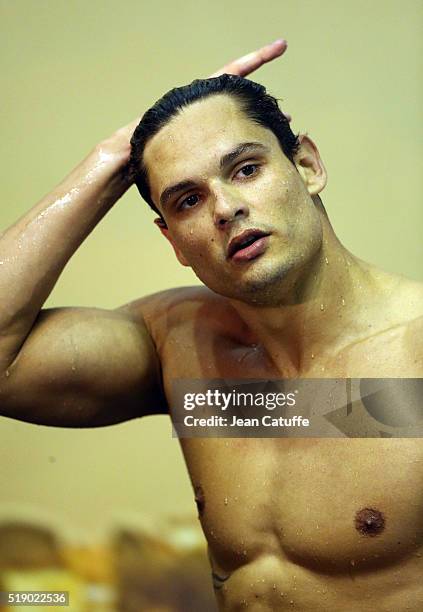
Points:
x=328 y=524
x=306 y=524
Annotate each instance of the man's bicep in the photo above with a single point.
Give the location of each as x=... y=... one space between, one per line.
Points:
x=83 y=367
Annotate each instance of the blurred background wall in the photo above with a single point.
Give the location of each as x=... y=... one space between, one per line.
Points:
x=72 y=71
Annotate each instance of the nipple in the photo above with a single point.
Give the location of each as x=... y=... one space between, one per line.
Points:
x=369 y=522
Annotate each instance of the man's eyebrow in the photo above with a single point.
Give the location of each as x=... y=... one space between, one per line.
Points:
x=244 y=147
x=226 y=160
x=170 y=191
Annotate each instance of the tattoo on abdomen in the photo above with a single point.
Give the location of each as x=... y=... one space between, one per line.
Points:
x=200 y=500
x=219 y=581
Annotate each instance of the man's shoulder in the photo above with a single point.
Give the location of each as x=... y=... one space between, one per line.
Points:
x=407 y=307
x=180 y=306
x=408 y=299
x=409 y=287
x=402 y=297
x=413 y=340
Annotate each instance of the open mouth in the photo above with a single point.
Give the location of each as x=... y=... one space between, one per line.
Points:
x=248 y=245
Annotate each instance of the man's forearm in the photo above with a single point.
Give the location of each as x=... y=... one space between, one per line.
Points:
x=34 y=251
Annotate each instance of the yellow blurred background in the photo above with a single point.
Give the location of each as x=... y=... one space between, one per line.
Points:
x=73 y=71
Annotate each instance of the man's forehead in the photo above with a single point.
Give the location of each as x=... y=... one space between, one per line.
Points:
x=211 y=117
x=194 y=140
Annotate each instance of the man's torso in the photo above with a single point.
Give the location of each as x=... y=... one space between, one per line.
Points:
x=285 y=519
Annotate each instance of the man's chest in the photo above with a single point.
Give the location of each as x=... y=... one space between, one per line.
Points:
x=196 y=351
x=320 y=502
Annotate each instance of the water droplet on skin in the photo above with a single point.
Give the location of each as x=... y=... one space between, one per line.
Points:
x=73 y=369
x=244 y=552
x=312 y=355
x=322 y=307
x=225 y=501
x=7 y=373
x=343 y=302
x=326 y=260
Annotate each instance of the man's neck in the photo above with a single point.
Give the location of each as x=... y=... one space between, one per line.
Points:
x=328 y=311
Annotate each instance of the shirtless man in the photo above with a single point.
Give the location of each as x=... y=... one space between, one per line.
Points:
x=305 y=524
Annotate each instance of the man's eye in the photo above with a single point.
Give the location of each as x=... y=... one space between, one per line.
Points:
x=248 y=169
x=188 y=202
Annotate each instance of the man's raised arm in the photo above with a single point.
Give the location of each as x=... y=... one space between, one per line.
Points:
x=71 y=366
x=76 y=367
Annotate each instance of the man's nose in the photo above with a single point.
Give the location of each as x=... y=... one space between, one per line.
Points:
x=229 y=208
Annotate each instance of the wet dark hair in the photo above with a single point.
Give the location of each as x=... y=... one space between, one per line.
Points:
x=255 y=102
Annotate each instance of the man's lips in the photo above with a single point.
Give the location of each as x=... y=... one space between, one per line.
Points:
x=247 y=245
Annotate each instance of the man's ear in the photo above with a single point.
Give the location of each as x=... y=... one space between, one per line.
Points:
x=165 y=231
x=310 y=166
